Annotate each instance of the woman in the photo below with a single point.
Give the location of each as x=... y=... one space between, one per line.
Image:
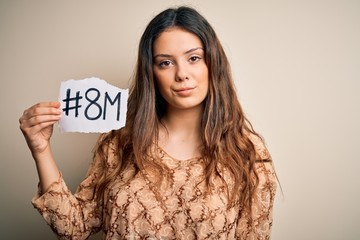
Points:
x=187 y=165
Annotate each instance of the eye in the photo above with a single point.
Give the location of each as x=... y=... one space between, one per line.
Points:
x=194 y=58
x=165 y=63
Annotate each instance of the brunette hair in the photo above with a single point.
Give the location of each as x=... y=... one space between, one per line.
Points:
x=224 y=129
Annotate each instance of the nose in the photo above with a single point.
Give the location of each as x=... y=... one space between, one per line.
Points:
x=181 y=72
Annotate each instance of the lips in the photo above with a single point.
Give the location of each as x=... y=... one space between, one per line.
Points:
x=185 y=91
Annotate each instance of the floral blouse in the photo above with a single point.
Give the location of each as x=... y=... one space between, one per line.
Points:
x=181 y=209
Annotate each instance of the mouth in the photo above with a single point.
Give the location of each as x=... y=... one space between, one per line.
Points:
x=183 y=89
x=186 y=91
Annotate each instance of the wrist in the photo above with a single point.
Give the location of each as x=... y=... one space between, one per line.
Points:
x=45 y=153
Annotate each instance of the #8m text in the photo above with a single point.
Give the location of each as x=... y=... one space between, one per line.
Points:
x=91 y=101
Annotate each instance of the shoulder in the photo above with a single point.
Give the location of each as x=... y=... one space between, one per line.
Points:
x=265 y=166
x=262 y=153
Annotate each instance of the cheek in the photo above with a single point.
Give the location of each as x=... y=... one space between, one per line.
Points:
x=165 y=78
x=162 y=82
x=157 y=79
x=203 y=76
x=206 y=82
x=206 y=89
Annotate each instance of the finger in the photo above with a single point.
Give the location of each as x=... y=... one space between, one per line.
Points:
x=42 y=109
x=54 y=104
x=38 y=120
x=44 y=105
x=37 y=128
x=39 y=115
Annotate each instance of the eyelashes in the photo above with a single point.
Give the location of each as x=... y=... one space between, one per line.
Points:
x=195 y=58
x=168 y=63
x=165 y=63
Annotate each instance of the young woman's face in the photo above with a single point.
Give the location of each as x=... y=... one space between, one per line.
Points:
x=180 y=69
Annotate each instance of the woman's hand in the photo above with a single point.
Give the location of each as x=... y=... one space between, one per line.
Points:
x=37 y=123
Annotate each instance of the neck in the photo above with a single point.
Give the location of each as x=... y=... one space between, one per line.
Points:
x=181 y=126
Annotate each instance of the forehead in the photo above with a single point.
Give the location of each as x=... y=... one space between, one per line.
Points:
x=175 y=40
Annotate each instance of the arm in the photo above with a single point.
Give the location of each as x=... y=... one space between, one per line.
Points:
x=70 y=216
x=36 y=124
x=261 y=216
x=259 y=228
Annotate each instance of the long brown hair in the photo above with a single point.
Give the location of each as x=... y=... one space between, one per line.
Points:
x=224 y=128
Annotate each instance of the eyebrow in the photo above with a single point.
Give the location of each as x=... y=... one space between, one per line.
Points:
x=188 y=51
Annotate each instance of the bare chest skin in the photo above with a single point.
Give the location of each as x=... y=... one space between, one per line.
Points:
x=181 y=145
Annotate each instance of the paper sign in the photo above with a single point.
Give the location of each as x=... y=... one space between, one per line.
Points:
x=92 y=105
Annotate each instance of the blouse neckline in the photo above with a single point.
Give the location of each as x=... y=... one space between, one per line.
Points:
x=162 y=151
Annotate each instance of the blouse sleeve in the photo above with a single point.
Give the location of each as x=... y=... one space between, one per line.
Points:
x=73 y=216
x=259 y=227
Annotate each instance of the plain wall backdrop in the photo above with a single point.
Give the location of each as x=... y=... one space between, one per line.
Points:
x=297 y=70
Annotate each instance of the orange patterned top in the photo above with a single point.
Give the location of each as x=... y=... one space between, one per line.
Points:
x=179 y=208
